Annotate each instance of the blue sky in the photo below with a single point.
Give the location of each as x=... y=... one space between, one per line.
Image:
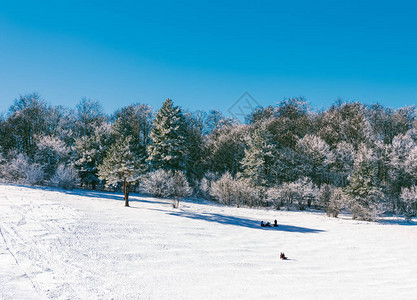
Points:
x=205 y=55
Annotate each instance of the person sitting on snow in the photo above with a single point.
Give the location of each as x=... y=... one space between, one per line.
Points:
x=275 y=223
x=262 y=224
x=282 y=256
x=268 y=224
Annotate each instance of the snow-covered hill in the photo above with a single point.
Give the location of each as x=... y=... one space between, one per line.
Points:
x=86 y=245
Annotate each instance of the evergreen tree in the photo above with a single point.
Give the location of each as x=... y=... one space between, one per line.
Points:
x=89 y=154
x=259 y=158
x=168 y=149
x=135 y=121
x=363 y=190
x=121 y=166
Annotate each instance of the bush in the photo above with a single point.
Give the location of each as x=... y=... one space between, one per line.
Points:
x=65 y=177
x=336 y=202
x=35 y=174
x=159 y=183
x=14 y=170
x=20 y=170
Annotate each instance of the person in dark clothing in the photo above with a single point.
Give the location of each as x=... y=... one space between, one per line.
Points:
x=262 y=224
x=282 y=256
x=275 y=223
x=268 y=224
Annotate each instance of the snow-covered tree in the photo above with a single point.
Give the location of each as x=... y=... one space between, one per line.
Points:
x=260 y=157
x=363 y=191
x=301 y=193
x=65 y=177
x=400 y=164
x=158 y=183
x=226 y=148
x=121 y=166
x=291 y=121
x=342 y=167
x=34 y=174
x=89 y=154
x=135 y=121
x=317 y=158
x=89 y=115
x=181 y=188
x=50 y=152
x=306 y=192
x=238 y=191
x=168 y=149
x=26 y=120
x=336 y=203
x=409 y=198
x=222 y=189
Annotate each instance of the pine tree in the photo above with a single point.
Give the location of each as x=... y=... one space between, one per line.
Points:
x=168 y=149
x=121 y=166
x=363 y=190
x=260 y=158
x=89 y=154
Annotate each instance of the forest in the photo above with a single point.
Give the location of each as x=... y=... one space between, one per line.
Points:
x=351 y=157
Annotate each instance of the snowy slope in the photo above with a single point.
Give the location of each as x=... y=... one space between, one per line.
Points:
x=86 y=245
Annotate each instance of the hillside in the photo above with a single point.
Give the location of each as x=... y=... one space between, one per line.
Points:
x=86 y=245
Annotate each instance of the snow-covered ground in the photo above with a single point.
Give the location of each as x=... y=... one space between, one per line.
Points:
x=86 y=245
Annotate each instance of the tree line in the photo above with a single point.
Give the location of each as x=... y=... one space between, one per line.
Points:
x=354 y=157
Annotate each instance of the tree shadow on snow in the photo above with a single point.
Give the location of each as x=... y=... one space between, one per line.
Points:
x=243 y=222
x=398 y=222
x=133 y=197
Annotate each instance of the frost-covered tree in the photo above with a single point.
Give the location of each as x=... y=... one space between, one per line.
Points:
x=336 y=203
x=121 y=166
x=65 y=177
x=18 y=168
x=306 y=192
x=168 y=149
x=342 y=167
x=89 y=115
x=317 y=158
x=50 y=152
x=194 y=134
x=181 y=188
x=260 y=157
x=158 y=183
x=291 y=122
x=301 y=193
x=89 y=154
x=222 y=189
x=226 y=148
x=26 y=119
x=398 y=154
x=409 y=198
x=238 y=191
x=135 y=121
x=363 y=191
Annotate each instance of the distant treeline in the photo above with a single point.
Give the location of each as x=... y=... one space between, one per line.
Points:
x=353 y=157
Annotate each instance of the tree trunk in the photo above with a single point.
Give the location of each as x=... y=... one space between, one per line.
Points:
x=126 y=191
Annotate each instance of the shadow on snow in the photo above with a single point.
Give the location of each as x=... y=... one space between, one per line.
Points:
x=243 y=222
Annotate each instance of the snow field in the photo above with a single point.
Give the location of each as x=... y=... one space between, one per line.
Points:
x=86 y=245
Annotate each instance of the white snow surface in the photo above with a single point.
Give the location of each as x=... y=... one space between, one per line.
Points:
x=86 y=245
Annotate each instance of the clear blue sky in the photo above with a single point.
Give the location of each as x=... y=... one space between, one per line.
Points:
x=206 y=55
